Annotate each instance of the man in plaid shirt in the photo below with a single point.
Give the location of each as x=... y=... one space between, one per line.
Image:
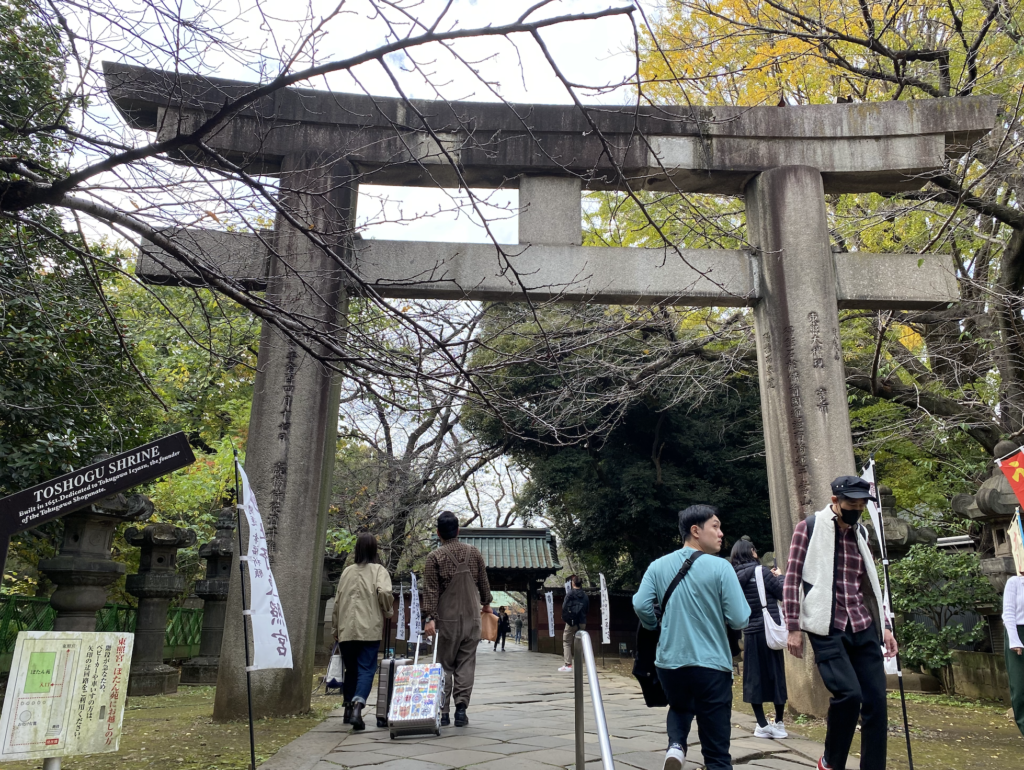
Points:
x=832 y=593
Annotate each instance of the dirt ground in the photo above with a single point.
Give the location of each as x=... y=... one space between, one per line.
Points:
x=945 y=733
x=176 y=732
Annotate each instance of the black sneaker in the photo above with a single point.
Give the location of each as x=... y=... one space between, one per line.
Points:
x=445 y=720
x=461 y=720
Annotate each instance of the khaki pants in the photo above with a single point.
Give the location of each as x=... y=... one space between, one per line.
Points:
x=568 y=639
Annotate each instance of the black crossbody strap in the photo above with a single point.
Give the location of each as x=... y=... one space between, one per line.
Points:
x=678 y=579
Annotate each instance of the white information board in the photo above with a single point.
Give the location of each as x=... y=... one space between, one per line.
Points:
x=65 y=695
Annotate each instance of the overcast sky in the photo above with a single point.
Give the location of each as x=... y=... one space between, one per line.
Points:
x=594 y=53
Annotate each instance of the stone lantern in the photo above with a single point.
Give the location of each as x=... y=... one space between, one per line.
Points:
x=333 y=565
x=899 y=534
x=993 y=507
x=83 y=570
x=155 y=585
x=213 y=590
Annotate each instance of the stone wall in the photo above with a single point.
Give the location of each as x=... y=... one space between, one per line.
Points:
x=981 y=675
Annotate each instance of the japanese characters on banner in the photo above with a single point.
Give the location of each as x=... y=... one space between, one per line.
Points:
x=415 y=627
x=550 y=597
x=65 y=695
x=270 y=643
x=1016 y=537
x=606 y=627
x=400 y=631
x=1012 y=467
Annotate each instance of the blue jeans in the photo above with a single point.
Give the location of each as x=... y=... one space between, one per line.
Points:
x=707 y=694
x=360 y=661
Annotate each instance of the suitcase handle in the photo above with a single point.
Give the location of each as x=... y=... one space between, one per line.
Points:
x=419 y=641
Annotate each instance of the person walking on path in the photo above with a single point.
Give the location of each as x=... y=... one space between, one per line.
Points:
x=519 y=629
x=455 y=592
x=764 y=669
x=575 y=607
x=1013 y=648
x=693 y=660
x=504 y=626
x=361 y=603
x=832 y=592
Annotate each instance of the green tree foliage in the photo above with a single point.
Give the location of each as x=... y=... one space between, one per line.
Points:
x=938 y=585
x=67 y=383
x=614 y=472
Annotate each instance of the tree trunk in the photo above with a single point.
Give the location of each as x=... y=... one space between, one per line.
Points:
x=1009 y=303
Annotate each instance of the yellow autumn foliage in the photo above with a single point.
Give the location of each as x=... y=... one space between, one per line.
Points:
x=749 y=52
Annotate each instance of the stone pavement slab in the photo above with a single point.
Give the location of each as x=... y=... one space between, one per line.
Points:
x=523 y=718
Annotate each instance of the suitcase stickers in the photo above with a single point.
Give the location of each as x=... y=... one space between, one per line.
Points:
x=417 y=698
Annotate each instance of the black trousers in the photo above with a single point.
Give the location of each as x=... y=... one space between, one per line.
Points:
x=501 y=638
x=852 y=669
x=707 y=694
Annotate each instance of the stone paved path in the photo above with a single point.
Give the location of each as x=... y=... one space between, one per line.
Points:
x=522 y=718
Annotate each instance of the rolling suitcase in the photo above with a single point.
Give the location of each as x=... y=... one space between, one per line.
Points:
x=417 y=699
x=386 y=678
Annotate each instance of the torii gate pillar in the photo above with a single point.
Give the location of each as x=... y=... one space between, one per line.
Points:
x=800 y=368
x=293 y=435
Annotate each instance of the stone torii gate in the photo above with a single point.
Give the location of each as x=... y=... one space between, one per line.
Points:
x=781 y=160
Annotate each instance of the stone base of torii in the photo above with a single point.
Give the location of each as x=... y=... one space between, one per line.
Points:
x=781 y=161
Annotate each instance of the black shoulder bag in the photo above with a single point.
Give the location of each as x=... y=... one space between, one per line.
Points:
x=646 y=648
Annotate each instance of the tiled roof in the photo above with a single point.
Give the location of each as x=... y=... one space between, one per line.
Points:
x=514 y=549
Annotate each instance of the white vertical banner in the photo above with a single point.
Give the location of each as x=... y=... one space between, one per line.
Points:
x=270 y=643
x=550 y=597
x=606 y=622
x=400 y=631
x=568 y=587
x=414 y=612
x=875 y=513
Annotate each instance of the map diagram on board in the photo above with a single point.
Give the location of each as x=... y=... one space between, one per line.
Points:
x=65 y=695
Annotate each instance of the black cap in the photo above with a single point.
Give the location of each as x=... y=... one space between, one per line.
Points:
x=853 y=487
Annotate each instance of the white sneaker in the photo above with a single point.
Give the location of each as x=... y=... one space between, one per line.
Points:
x=778 y=729
x=564 y=669
x=675 y=758
x=764 y=732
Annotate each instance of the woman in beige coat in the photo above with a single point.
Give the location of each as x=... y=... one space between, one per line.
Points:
x=362 y=602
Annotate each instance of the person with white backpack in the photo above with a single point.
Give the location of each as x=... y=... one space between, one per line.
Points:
x=764 y=639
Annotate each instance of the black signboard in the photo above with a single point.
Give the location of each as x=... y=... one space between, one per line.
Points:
x=78 y=489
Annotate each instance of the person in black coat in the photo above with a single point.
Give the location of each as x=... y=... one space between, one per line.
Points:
x=504 y=626
x=764 y=669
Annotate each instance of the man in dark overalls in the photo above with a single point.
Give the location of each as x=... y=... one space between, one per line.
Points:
x=455 y=591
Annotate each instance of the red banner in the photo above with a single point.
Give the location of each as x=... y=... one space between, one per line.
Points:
x=1013 y=468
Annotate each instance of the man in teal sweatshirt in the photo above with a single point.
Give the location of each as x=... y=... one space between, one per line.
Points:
x=693 y=660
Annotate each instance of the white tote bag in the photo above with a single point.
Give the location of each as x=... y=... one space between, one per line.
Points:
x=335 y=670
x=774 y=633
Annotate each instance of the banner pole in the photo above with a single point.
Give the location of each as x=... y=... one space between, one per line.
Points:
x=885 y=568
x=245 y=627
